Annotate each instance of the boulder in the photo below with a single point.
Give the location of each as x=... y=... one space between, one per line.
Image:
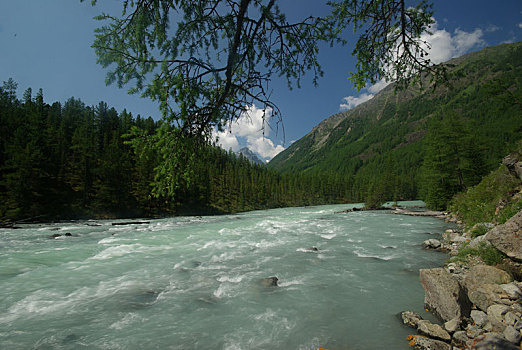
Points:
x=422 y=343
x=486 y=295
x=452 y=325
x=496 y=316
x=493 y=341
x=485 y=274
x=459 y=339
x=443 y=294
x=431 y=244
x=512 y=290
x=508 y=237
x=410 y=318
x=269 y=282
x=511 y=319
x=479 y=317
x=514 y=164
x=432 y=330
x=512 y=335
x=476 y=242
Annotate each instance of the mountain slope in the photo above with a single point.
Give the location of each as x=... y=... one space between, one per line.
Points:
x=485 y=95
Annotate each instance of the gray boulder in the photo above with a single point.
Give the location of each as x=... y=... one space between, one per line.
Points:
x=269 y=282
x=493 y=341
x=422 y=343
x=479 y=317
x=486 y=295
x=443 y=294
x=431 y=244
x=410 y=318
x=508 y=237
x=452 y=325
x=512 y=335
x=460 y=339
x=485 y=274
x=514 y=164
x=476 y=242
x=432 y=330
x=496 y=316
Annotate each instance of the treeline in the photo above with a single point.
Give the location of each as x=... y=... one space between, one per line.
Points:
x=69 y=161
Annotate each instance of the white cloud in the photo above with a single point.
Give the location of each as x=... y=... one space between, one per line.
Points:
x=251 y=130
x=520 y=25
x=352 y=101
x=444 y=45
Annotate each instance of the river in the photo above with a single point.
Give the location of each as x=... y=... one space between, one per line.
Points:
x=194 y=282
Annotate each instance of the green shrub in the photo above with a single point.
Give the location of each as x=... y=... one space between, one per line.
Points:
x=486 y=252
x=479 y=203
x=479 y=230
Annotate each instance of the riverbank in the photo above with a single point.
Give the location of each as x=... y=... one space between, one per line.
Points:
x=477 y=294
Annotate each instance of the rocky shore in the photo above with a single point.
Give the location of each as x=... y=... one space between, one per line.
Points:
x=479 y=305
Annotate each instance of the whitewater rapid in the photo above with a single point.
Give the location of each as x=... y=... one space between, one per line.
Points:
x=194 y=282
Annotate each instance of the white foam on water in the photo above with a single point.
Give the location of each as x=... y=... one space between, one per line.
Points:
x=127 y=320
x=292 y=282
x=224 y=290
x=120 y=250
x=230 y=279
x=329 y=236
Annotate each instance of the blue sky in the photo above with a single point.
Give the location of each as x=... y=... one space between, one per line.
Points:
x=47 y=44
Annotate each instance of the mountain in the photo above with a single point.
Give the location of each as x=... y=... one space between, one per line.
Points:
x=251 y=156
x=384 y=139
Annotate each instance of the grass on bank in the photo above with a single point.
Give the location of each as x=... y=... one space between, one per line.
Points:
x=486 y=252
x=495 y=199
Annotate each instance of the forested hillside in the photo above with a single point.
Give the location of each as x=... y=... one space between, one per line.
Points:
x=428 y=143
x=67 y=161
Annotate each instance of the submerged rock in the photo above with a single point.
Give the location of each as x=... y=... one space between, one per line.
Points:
x=269 y=282
x=431 y=244
x=410 y=318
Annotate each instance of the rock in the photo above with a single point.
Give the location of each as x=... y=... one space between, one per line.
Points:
x=269 y=282
x=451 y=267
x=514 y=164
x=510 y=319
x=485 y=274
x=452 y=325
x=443 y=294
x=56 y=235
x=423 y=343
x=508 y=237
x=476 y=242
x=512 y=335
x=431 y=244
x=479 y=317
x=487 y=295
x=473 y=331
x=493 y=341
x=460 y=339
x=496 y=316
x=410 y=318
x=432 y=330
x=512 y=290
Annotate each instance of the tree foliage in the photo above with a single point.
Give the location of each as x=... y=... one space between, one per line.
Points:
x=206 y=61
x=76 y=161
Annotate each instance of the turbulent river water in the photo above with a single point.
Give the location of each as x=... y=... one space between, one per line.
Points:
x=194 y=282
